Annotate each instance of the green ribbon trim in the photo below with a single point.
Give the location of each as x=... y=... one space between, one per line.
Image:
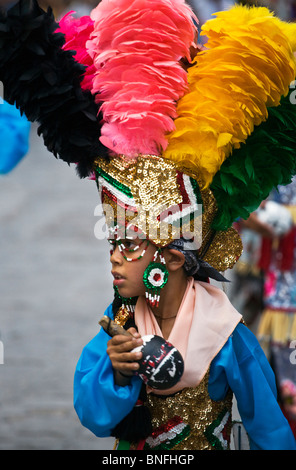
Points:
x=112 y=181
x=209 y=432
x=196 y=191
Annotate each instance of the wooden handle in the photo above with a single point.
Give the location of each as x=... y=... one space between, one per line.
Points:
x=112 y=328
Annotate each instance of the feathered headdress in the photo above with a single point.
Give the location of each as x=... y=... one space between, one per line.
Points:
x=118 y=93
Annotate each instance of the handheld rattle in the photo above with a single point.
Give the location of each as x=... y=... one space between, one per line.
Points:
x=161 y=365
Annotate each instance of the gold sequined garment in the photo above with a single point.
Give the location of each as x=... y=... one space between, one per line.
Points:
x=189 y=419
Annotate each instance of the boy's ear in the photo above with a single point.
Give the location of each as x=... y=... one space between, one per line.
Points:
x=174 y=259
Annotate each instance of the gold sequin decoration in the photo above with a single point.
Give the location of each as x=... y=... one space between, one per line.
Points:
x=196 y=408
x=224 y=250
x=122 y=316
x=156 y=184
x=154 y=187
x=151 y=179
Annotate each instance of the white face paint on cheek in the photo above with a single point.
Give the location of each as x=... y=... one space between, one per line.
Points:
x=133 y=272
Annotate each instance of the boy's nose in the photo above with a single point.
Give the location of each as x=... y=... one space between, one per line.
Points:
x=116 y=256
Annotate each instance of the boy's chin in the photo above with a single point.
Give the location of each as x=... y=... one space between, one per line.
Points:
x=129 y=293
x=124 y=292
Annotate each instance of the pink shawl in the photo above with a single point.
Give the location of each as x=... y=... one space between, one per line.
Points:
x=204 y=322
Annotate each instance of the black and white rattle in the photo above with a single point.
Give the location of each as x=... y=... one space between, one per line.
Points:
x=161 y=366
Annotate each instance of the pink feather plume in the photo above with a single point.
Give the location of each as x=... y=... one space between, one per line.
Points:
x=77 y=32
x=136 y=46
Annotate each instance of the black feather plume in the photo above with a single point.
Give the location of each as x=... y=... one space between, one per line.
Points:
x=44 y=82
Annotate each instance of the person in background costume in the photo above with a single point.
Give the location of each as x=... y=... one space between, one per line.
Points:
x=277 y=326
x=166 y=136
x=269 y=252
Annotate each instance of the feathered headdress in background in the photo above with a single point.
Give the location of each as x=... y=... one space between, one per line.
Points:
x=112 y=94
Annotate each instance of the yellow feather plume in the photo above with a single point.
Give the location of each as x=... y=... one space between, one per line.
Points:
x=247 y=67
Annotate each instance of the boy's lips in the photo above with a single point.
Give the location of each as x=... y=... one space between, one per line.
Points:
x=118 y=278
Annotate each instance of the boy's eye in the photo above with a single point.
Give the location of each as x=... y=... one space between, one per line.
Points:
x=130 y=245
x=129 y=248
x=126 y=244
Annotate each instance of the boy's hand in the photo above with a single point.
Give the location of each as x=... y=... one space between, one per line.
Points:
x=119 y=350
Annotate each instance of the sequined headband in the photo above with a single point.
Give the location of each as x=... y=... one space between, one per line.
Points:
x=148 y=194
x=162 y=203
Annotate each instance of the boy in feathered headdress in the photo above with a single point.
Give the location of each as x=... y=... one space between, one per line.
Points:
x=180 y=148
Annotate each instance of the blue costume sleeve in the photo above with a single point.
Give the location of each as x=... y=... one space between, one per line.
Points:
x=242 y=366
x=99 y=403
x=14 y=137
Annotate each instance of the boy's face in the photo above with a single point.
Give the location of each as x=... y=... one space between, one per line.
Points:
x=128 y=275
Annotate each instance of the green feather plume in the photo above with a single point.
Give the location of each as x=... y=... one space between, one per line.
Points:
x=265 y=161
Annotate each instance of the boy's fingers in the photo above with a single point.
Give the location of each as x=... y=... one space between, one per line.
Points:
x=126 y=356
x=120 y=351
x=127 y=366
x=134 y=332
x=125 y=343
